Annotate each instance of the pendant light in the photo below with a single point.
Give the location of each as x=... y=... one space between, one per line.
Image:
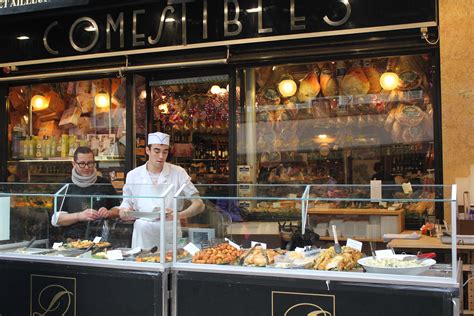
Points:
x=39 y=102
x=102 y=100
x=287 y=86
x=389 y=81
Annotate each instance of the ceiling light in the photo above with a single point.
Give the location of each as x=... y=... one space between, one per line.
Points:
x=23 y=38
x=170 y=20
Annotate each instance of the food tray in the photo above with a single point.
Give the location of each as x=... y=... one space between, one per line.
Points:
x=426 y=264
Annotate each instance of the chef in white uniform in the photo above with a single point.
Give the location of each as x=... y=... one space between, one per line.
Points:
x=144 y=181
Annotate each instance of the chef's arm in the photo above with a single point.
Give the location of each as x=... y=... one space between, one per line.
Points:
x=196 y=207
x=66 y=219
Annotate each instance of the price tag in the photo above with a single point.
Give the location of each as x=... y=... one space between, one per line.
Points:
x=233 y=244
x=375 y=190
x=97 y=239
x=292 y=196
x=134 y=251
x=276 y=204
x=407 y=188
x=253 y=243
x=191 y=248
x=354 y=244
x=114 y=255
x=299 y=250
x=57 y=245
x=386 y=253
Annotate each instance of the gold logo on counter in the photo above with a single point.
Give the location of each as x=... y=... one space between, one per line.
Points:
x=52 y=295
x=303 y=304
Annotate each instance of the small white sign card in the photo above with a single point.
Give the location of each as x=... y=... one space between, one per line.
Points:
x=4 y=218
x=354 y=244
x=114 y=255
x=386 y=253
x=57 y=245
x=97 y=239
x=233 y=244
x=191 y=248
x=407 y=188
x=375 y=190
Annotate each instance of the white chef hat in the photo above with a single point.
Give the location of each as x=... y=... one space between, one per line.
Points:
x=158 y=138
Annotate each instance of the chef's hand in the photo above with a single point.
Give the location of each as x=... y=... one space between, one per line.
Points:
x=169 y=214
x=124 y=216
x=103 y=212
x=87 y=215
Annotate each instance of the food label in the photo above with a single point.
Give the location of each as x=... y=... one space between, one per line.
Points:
x=299 y=250
x=57 y=245
x=254 y=243
x=375 y=190
x=276 y=204
x=354 y=244
x=233 y=244
x=191 y=248
x=407 y=188
x=386 y=253
x=97 y=239
x=134 y=251
x=114 y=255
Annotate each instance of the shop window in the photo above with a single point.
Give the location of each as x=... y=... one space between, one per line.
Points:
x=47 y=122
x=338 y=121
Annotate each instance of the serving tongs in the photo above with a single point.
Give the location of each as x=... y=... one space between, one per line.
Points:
x=420 y=257
x=251 y=251
x=337 y=247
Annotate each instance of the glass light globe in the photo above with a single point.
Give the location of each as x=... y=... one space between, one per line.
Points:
x=287 y=88
x=215 y=89
x=389 y=81
x=39 y=102
x=102 y=99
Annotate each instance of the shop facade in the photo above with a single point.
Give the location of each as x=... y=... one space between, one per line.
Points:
x=252 y=92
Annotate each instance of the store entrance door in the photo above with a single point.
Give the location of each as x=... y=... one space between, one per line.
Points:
x=195 y=113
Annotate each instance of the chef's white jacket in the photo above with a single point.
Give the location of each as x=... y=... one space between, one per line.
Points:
x=146 y=234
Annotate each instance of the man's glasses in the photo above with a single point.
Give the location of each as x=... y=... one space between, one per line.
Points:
x=89 y=164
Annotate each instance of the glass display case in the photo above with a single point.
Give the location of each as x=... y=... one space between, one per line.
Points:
x=52 y=218
x=48 y=121
x=304 y=246
x=338 y=121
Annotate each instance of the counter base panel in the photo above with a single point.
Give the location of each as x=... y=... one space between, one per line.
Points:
x=218 y=294
x=32 y=288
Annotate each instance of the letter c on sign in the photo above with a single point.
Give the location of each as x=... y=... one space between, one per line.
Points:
x=344 y=19
x=94 y=41
x=45 y=39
